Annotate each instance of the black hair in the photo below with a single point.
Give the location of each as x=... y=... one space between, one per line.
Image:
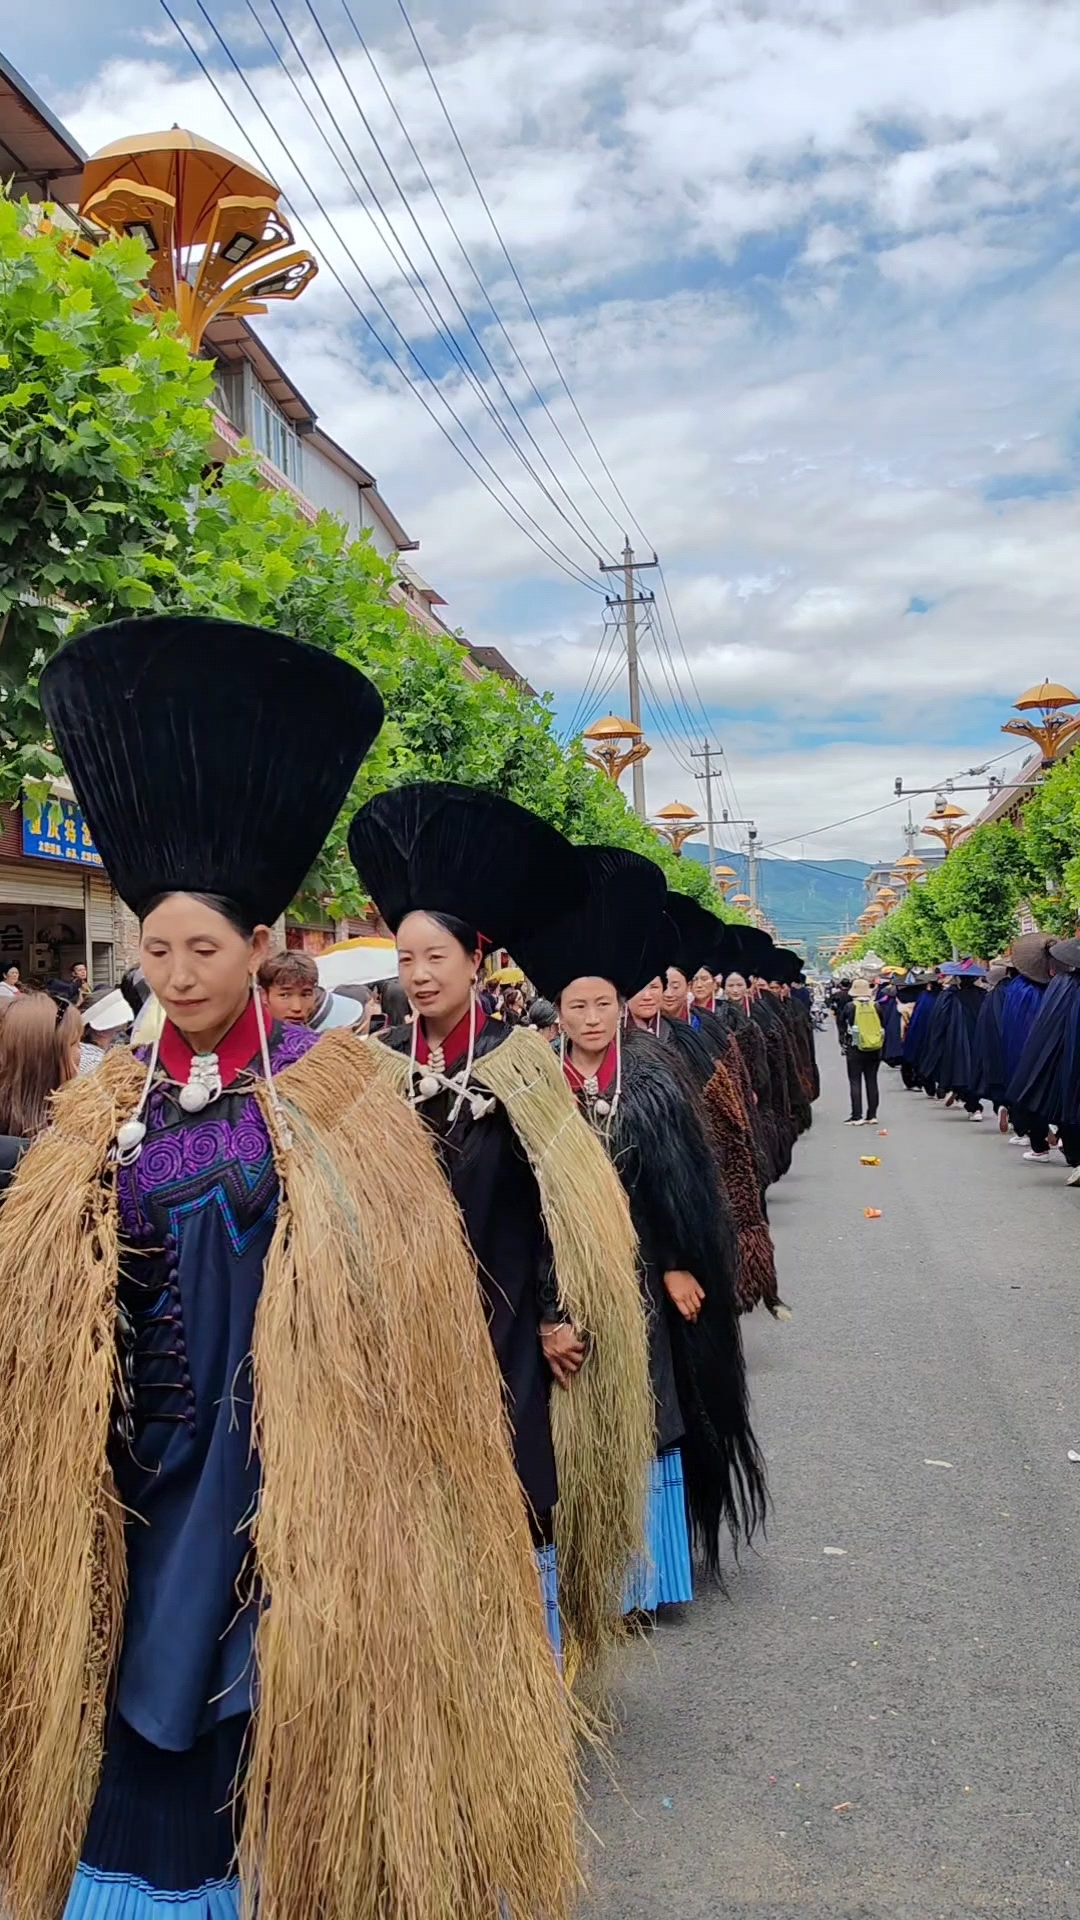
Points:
x=237 y=916
x=394 y=1002
x=460 y=930
x=134 y=989
x=542 y=1014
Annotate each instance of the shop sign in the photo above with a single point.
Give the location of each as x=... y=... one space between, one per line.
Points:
x=54 y=829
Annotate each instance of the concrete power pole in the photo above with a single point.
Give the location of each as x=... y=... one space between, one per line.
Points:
x=751 y=866
x=707 y=754
x=630 y=601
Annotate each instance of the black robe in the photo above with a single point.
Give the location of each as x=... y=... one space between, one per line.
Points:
x=660 y=1149
x=495 y=1188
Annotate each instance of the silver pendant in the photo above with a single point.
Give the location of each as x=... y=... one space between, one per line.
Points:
x=603 y=1108
x=129 y=1141
x=427 y=1086
x=195 y=1096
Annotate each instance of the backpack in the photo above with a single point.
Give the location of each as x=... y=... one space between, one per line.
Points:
x=869 y=1032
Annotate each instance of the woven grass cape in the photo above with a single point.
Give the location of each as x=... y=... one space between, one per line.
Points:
x=413 y=1756
x=604 y=1425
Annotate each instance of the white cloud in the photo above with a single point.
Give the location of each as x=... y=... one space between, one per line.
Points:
x=808 y=267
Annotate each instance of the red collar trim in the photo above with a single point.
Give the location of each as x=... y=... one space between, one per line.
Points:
x=456 y=1045
x=605 y=1078
x=239 y=1048
x=696 y=1007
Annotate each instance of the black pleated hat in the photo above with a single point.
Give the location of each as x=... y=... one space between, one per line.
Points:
x=618 y=933
x=207 y=757
x=745 y=950
x=699 y=934
x=787 y=967
x=434 y=847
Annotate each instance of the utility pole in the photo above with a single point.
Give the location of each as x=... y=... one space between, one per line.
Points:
x=707 y=754
x=630 y=600
x=751 y=866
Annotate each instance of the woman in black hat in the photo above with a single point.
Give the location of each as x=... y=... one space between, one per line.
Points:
x=269 y=1612
x=639 y=1102
x=451 y=870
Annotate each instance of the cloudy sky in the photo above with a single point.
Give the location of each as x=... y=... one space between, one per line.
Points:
x=810 y=269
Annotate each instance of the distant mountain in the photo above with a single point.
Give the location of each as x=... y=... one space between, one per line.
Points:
x=806 y=900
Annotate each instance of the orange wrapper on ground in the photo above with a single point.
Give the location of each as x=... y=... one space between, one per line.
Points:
x=870 y=1160
x=872 y=1213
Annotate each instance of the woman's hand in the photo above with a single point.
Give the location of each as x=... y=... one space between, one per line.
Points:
x=683 y=1291
x=564 y=1351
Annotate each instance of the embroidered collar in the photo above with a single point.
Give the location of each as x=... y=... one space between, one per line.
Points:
x=603 y=1080
x=455 y=1046
x=238 y=1049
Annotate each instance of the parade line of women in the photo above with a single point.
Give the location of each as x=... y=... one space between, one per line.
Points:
x=1007 y=1035
x=349 y=1385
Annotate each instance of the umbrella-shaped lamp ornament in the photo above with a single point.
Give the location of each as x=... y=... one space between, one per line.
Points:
x=676 y=823
x=614 y=745
x=217 y=239
x=945 y=824
x=1050 y=725
x=726 y=878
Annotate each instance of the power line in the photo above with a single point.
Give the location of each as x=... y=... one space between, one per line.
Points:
x=432 y=310
x=608 y=638
x=533 y=315
x=540 y=538
x=467 y=258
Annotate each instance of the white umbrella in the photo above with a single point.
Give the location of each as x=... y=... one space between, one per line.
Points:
x=357 y=966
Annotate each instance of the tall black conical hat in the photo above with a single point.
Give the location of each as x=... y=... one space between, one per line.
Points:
x=702 y=939
x=436 y=847
x=618 y=933
x=208 y=757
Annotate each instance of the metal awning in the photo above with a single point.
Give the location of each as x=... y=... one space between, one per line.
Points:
x=38 y=155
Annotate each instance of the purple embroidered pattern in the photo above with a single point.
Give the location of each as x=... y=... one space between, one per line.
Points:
x=189 y=1160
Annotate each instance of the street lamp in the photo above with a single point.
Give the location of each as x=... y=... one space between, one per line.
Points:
x=676 y=823
x=944 y=824
x=217 y=239
x=615 y=745
x=1054 y=727
x=726 y=878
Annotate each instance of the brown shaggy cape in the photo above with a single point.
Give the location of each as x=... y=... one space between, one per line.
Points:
x=412 y=1756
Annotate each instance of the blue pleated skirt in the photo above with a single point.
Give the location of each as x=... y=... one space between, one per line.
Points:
x=114 y=1896
x=160 y=1840
x=665 y=1578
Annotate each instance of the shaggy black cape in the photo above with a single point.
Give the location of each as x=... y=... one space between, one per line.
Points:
x=659 y=1147
x=207 y=757
x=617 y=933
x=438 y=848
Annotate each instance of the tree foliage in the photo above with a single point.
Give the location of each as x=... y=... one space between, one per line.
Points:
x=107 y=508
x=104 y=427
x=968 y=905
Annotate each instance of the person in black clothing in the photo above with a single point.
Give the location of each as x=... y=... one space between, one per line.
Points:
x=863 y=1061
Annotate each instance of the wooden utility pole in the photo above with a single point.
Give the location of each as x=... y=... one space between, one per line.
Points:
x=630 y=600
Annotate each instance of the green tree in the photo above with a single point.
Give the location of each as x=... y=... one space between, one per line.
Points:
x=107 y=508
x=103 y=431
x=1051 y=831
x=979 y=888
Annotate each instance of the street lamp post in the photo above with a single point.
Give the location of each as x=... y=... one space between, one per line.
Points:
x=217 y=239
x=614 y=745
x=1054 y=727
x=677 y=823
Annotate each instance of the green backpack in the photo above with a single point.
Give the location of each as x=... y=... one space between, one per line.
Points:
x=868 y=1028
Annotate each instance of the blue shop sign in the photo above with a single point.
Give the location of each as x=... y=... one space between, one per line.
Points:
x=55 y=830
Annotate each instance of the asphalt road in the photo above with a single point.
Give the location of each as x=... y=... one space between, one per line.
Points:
x=882 y=1718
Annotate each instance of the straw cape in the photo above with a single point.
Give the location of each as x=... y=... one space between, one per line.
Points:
x=412 y=1754
x=603 y=1426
